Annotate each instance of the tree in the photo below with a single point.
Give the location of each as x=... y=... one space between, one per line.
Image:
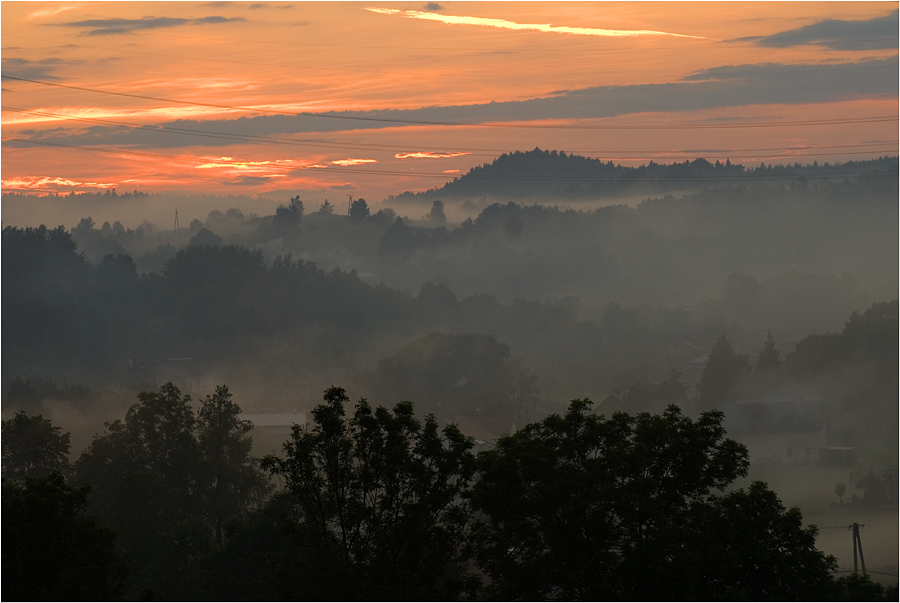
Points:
x=51 y=551
x=359 y=210
x=745 y=545
x=839 y=489
x=234 y=479
x=572 y=505
x=378 y=507
x=205 y=236
x=437 y=212
x=456 y=374
x=289 y=217
x=583 y=507
x=723 y=372
x=146 y=478
x=768 y=357
x=326 y=208
x=33 y=447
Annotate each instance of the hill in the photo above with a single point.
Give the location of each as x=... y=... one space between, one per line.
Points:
x=541 y=173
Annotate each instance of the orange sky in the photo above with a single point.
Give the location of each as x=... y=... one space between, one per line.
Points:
x=618 y=81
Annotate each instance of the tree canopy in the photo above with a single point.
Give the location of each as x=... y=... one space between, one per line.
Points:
x=379 y=513
x=585 y=507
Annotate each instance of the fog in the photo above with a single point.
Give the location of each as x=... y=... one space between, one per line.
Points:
x=487 y=305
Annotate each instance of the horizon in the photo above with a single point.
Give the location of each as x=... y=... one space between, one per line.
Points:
x=319 y=99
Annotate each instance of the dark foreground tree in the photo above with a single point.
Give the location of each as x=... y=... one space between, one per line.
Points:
x=233 y=479
x=379 y=514
x=583 y=507
x=33 y=447
x=51 y=550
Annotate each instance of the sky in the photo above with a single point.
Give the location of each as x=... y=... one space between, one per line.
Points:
x=376 y=98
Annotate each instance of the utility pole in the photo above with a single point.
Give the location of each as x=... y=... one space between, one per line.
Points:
x=349 y=203
x=176 y=220
x=857 y=545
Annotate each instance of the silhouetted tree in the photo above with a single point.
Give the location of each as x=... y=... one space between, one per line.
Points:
x=723 y=372
x=205 y=236
x=289 y=217
x=146 y=483
x=768 y=357
x=437 y=214
x=326 y=208
x=51 y=551
x=379 y=514
x=234 y=479
x=33 y=447
x=359 y=210
x=582 y=507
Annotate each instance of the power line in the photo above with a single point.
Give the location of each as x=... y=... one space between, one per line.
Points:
x=818 y=122
x=748 y=177
x=250 y=138
x=442 y=74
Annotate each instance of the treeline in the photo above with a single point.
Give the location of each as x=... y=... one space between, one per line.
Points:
x=65 y=318
x=551 y=173
x=371 y=503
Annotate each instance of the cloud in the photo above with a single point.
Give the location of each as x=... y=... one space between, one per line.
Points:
x=342 y=187
x=433 y=6
x=34 y=70
x=52 y=10
x=48 y=183
x=252 y=180
x=258 y=5
x=542 y=27
x=105 y=27
x=428 y=155
x=726 y=86
x=870 y=34
x=346 y=162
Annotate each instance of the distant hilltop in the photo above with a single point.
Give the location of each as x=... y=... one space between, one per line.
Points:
x=551 y=173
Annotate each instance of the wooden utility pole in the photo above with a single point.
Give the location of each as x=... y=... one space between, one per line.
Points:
x=857 y=545
x=176 y=220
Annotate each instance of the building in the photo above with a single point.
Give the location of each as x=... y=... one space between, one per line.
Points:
x=779 y=430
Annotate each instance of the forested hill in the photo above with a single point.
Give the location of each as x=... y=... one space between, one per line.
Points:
x=539 y=172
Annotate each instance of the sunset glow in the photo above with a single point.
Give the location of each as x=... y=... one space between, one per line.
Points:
x=155 y=95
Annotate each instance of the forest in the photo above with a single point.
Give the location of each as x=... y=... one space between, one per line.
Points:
x=552 y=395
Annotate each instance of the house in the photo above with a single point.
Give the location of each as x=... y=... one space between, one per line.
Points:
x=692 y=371
x=779 y=430
x=681 y=350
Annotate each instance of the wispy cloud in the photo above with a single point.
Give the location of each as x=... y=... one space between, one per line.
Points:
x=428 y=155
x=233 y=164
x=49 y=11
x=836 y=34
x=48 y=183
x=542 y=27
x=346 y=162
x=106 y=27
x=253 y=180
x=259 y=5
